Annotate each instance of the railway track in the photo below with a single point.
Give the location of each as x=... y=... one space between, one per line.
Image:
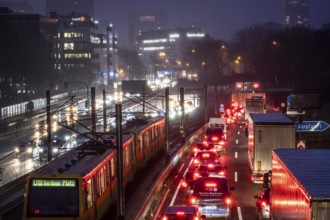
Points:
x=12 y=194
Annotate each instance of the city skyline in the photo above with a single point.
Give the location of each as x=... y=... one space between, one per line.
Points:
x=222 y=17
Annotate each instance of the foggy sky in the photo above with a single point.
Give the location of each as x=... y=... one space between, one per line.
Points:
x=222 y=17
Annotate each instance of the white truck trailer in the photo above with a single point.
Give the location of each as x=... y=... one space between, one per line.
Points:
x=300 y=184
x=267 y=132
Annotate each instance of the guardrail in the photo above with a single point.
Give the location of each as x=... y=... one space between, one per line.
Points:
x=151 y=195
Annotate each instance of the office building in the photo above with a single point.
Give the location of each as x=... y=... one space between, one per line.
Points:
x=162 y=51
x=77 y=40
x=296 y=13
x=144 y=21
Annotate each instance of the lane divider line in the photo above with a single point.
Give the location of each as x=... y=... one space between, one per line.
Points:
x=236 y=177
x=236 y=155
x=240 y=217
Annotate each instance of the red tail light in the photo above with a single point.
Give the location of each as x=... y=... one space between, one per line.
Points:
x=184 y=184
x=164 y=218
x=196 y=161
x=196 y=175
x=222 y=142
x=214 y=138
x=180 y=213
x=195 y=149
x=228 y=201
x=193 y=200
x=221 y=173
x=210 y=184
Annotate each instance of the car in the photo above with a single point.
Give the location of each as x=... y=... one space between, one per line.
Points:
x=215 y=136
x=188 y=182
x=203 y=146
x=182 y=212
x=202 y=156
x=56 y=144
x=25 y=149
x=212 y=168
x=212 y=196
x=262 y=205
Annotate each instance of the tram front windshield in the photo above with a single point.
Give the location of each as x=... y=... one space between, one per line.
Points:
x=53 y=198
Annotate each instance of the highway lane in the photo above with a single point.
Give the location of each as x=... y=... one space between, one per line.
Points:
x=236 y=160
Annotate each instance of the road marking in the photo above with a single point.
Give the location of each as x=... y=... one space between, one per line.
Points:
x=235 y=176
x=240 y=126
x=236 y=141
x=238 y=132
x=240 y=217
x=178 y=188
x=236 y=154
x=176 y=193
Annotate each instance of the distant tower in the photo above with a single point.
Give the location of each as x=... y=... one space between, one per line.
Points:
x=66 y=7
x=296 y=13
x=144 y=21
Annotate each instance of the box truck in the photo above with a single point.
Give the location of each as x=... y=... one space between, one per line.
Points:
x=255 y=104
x=267 y=132
x=300 y=184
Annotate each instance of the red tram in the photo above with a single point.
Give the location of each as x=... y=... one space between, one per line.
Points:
x=81 y=184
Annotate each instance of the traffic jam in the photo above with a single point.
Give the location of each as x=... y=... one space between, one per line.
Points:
x=204 y=189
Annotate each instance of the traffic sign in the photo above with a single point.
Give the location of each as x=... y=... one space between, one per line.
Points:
x=307 y=126
x=301 y=145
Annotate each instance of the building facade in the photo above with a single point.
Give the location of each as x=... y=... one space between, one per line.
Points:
x=296 y=13
x=20 y=33
x=162 y=51
x=144 y=21
x=78 y=44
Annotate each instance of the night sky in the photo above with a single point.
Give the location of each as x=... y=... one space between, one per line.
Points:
x=222 y=17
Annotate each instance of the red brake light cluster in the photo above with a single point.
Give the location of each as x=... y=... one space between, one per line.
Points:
x=221 y=173
x=180 y=213
x=193 y=200
x=206 y=155
x=228 y=201
x=214 y=138
x=210 y=184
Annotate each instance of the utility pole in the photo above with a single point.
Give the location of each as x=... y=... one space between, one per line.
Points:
x=93 y=109
x=109 y=29
x=104 y=112
x=183 y=117
x=119 y=147
x=216 y=104
x=167 y=109
x=205 y=96
x=49 y=127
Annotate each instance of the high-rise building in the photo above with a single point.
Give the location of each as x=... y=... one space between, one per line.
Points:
x=145 y=21
x=296 y=13
x=76 y=43
x=162 y=51
x=66 y=7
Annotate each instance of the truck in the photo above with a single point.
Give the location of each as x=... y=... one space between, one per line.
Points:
x=255 y=104
x=300 y=184
x=219 y=122
x=266 y=132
